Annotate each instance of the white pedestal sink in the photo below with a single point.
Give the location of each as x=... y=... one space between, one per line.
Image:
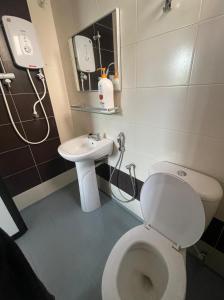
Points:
x=83 y=151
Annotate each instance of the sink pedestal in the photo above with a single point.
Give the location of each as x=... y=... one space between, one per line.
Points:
x=89 y=193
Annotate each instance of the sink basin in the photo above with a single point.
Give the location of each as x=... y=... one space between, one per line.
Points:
x=84 y=148
x=83 y=151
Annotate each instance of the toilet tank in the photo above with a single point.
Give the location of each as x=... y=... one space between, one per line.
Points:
x=208 y=188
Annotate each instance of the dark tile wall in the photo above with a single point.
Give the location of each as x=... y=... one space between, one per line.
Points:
x=120 y=179
x=214 y=234
x=24 y=166
x=105 y=28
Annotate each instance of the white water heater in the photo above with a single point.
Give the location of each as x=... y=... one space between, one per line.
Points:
x=84 y=54
x=23 y=42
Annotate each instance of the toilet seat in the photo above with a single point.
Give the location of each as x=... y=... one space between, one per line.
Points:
x=173 y=208
x=176 y=283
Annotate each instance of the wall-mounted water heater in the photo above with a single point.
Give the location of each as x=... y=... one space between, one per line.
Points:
x=84 y=54
x=23 y=42
x=26 y=53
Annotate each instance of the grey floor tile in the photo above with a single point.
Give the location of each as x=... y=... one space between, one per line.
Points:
x=68 y=248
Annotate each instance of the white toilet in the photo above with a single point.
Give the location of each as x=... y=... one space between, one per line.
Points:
x=148 y=262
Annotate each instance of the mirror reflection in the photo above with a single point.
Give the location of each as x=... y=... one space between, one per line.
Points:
x=94 y=48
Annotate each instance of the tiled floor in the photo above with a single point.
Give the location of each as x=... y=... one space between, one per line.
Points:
x=68 y=248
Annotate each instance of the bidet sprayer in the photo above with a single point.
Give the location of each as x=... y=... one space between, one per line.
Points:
x=130 y=167
x=121 y=141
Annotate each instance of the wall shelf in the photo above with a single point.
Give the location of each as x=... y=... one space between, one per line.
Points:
x=96 y=110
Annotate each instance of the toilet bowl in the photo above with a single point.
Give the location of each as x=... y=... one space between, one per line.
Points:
x=143 y=265
x=148 y=262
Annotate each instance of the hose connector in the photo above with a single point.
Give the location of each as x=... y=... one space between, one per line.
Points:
x=40 y=75
x=35 y=115
x=129 y=166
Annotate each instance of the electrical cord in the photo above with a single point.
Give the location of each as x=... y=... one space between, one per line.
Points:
x=39 y=101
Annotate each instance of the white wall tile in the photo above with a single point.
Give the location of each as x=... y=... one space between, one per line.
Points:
x=204 y=111
x=209 y=59
x=82 y=123
x=85 y=12
x=129 y=66
x=203 y=154
x=159 y=143
x=166 y=60
x=128 y=17
x=152 y=20
x=110 y=126
x=212 y=8
x=158 y=107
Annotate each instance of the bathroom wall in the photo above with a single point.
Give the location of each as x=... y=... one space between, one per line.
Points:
x=173 y=81
x=24 y=167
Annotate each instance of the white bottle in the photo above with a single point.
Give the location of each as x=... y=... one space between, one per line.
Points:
x=106 y=91
x=116 y=82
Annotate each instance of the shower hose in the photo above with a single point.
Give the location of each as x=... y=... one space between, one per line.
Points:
x=39 y=101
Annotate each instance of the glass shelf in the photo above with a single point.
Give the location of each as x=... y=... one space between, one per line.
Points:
x=96 y=110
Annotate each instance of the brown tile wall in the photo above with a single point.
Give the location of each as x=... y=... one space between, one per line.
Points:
x=24 y=166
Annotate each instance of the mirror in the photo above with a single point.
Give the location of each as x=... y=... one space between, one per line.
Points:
x=95 y=47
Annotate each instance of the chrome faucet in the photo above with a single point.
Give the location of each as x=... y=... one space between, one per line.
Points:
x=94 y=136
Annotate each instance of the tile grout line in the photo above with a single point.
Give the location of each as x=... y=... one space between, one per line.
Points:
x=178 y=131
x=107 y=50
x=198 y=22
x=26 y=138
x=23 y=170
x=36 y=164
x=176 y=85
x=19 y=94
x=200 y=10
x=42 y=118
x=47 y=161
x=18 y=172
x=14 y=149
x=28 y=120
x=22 y=147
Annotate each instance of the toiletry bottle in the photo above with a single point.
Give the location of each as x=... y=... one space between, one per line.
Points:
x=106 y=91
x=116 y=82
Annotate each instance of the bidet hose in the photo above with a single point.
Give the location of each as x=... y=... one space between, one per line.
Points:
x=39 y=101
x=133 y=179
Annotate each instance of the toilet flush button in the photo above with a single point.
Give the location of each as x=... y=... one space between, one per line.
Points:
x=181 y=173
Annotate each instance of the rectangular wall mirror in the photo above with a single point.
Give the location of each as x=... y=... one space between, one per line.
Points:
x=97 y=46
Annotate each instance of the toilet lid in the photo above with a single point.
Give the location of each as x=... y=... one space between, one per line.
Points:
x=173 y=208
